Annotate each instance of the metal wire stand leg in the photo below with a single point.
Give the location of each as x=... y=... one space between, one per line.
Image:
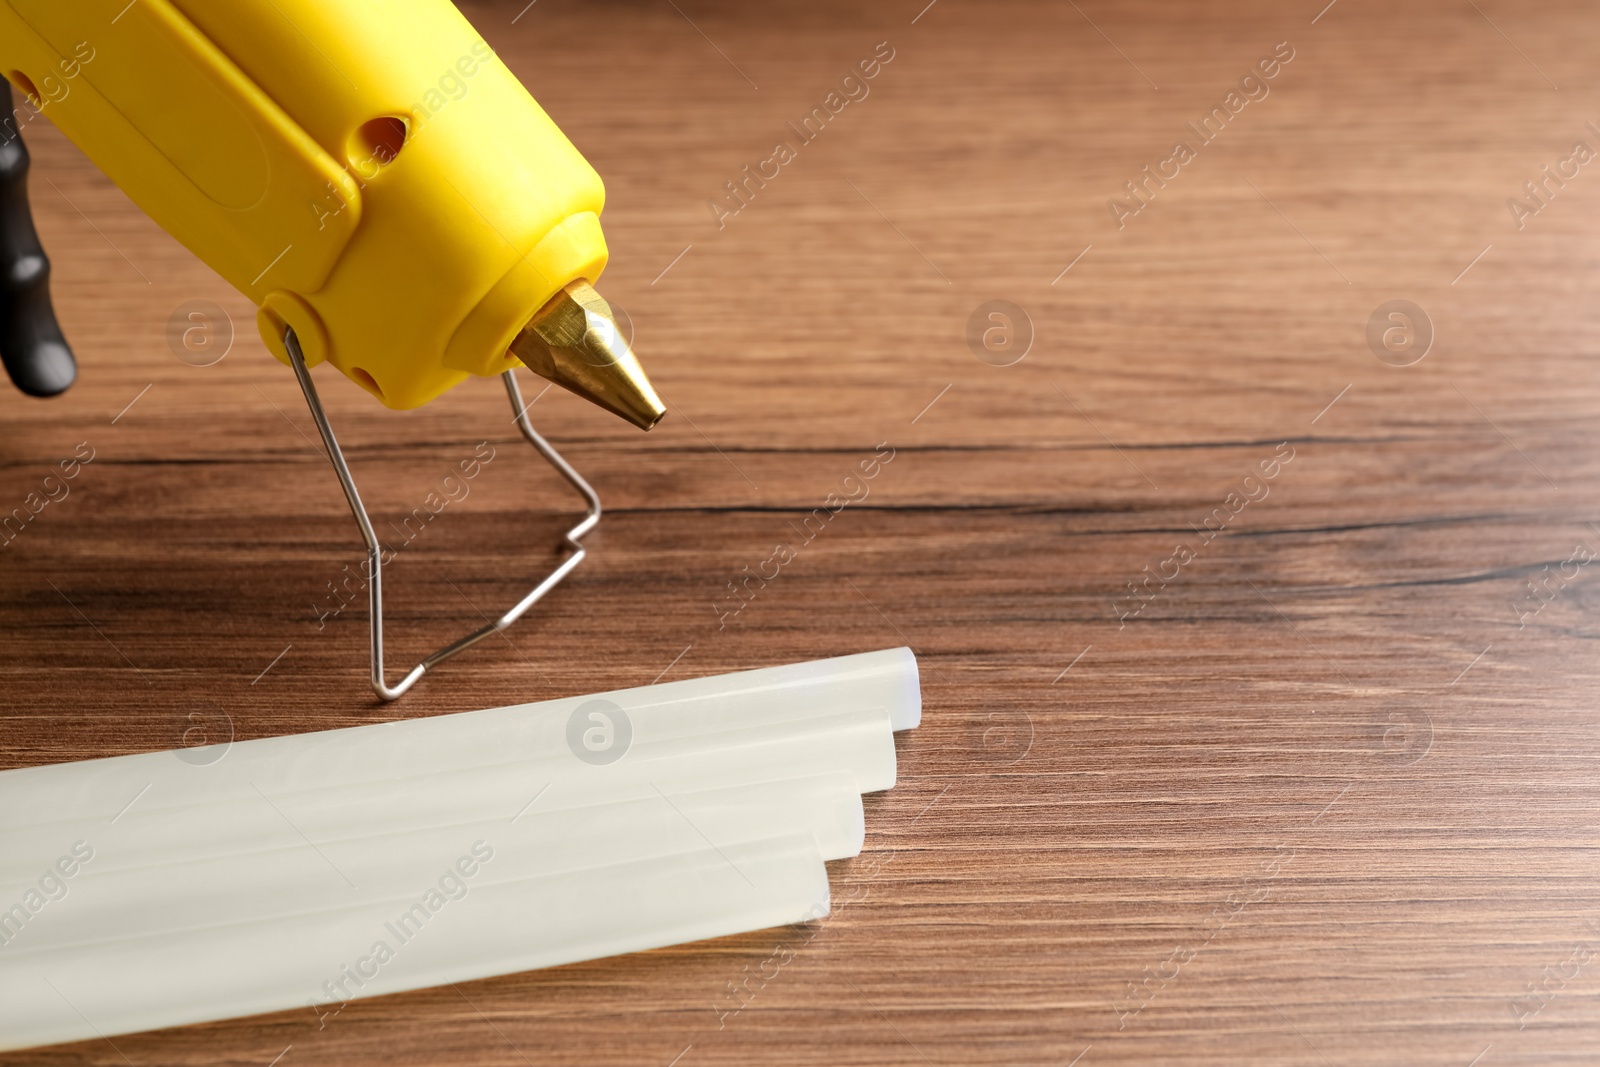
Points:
x=375 y=551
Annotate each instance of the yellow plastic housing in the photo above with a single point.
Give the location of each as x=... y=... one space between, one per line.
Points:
x=368 y=173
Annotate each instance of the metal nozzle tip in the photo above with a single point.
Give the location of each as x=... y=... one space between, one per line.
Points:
x=574 y=341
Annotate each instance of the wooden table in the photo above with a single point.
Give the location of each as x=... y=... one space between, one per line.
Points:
x=1316 y=784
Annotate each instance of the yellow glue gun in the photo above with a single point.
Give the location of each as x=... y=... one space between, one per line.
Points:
x=368 y=173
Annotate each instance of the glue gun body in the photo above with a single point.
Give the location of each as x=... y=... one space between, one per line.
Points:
x=369 y=174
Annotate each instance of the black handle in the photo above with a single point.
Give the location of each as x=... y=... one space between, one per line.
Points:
x=35 y=354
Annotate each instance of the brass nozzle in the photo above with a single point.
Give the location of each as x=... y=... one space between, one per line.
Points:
x=574 y=341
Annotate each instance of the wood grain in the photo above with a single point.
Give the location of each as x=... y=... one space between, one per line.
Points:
x=1329 y=797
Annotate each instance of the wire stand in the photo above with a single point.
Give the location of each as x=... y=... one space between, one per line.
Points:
x=375 y=552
